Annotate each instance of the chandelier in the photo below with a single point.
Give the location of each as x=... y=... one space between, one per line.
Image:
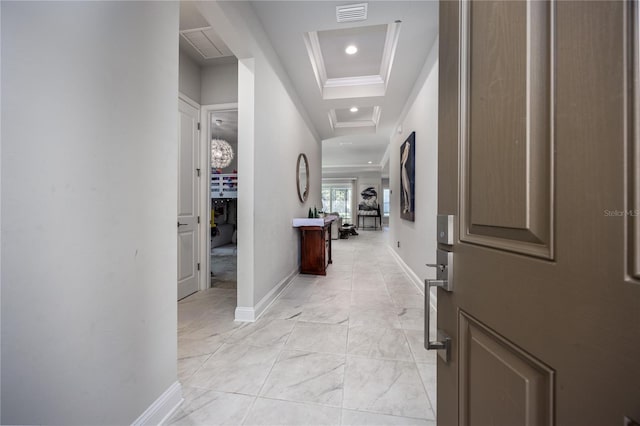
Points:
x=221 y=153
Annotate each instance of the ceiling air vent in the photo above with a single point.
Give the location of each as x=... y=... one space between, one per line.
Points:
x=206 y=42
x=351 y=12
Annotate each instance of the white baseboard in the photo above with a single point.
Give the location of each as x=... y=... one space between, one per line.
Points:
x=245 y=314
x=248 y=314
x=407 y=270
x=275 y=292
x=162 y=408
x=416 y=280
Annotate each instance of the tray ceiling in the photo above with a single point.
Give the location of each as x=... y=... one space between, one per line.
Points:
x=393 y=39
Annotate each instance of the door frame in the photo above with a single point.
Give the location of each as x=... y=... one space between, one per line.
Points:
x=205 y=187
x=196 y=105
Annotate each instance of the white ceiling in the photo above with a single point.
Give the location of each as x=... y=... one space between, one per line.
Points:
x=227 y=128
x=199 y=40
x=393 y=44
x=370 y=43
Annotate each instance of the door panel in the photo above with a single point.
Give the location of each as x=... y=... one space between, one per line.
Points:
x=499 y=58
x=544 y=294
x=188 y=160
x=522 y=387
x=506 y=103
x=186 y=248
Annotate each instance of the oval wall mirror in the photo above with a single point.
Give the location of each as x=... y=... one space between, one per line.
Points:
x=302 y=177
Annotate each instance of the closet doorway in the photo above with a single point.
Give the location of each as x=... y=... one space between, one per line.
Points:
x=222 y=154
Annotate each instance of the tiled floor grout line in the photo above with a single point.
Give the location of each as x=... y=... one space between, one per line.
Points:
x=415 y=362
x=266 y=379
x=201 y=365
x=413 y=356
x=346 y=352
x=384 y=414
x=246 y=414
x=315 y=404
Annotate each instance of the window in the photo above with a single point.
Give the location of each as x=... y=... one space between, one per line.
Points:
x=337 y=198
x=385 y=202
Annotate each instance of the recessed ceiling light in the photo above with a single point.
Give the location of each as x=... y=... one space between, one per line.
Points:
x=354 y=109
x=351 y=49
x=370 y=162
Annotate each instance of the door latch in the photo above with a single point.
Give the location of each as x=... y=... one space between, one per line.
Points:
x=444 y=226
x=444 y=280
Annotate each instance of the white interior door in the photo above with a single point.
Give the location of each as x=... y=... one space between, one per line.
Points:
x=188 y=160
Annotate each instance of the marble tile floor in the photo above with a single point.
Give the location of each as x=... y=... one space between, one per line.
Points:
x=345 y=349
x=224 y=270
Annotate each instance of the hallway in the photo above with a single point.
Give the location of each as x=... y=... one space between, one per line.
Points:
x=341 y=349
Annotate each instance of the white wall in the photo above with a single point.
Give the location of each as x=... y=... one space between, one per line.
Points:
x=246 y=185
x=273 y=128
x=280 y=135
x=210 y=85
x=89 y=154
x=189 y=77
x=219 y=84
x=418 y=239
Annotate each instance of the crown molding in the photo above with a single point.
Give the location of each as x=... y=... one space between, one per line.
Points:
x=389 y=52
x=385 y=157
x=342 y=167
x=312 y=43
x=363 y=80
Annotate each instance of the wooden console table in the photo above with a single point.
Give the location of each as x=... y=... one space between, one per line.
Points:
x=315 y=245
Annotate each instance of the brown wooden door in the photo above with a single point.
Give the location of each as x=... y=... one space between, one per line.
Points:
x=539 y=157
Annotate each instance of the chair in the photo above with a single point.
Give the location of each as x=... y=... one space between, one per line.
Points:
x=335 y=226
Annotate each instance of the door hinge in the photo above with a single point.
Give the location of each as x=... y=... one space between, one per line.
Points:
x=198 y=219
x=198 y=126
x=198 y=266
x=198 y=172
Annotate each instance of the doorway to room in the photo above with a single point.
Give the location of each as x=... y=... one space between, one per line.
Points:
x=223 y=177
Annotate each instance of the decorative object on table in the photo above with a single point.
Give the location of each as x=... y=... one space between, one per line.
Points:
x=368 y=206
x=221 y=151
x=368 y=203
x=310 y=213
x=315 y=212
x=408 y=177
x=302 y=177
